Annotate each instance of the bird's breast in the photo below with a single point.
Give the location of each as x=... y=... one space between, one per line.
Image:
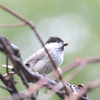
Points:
x=57 y=57
x=45 y=65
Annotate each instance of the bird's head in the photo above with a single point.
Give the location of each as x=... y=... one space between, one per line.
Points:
x=56 y=42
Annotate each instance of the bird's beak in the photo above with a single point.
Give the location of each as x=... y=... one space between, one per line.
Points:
x=66 y=44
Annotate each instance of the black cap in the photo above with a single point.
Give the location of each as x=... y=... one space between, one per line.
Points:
x=54 y=39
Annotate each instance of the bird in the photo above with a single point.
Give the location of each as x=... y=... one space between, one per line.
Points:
x=40 y=61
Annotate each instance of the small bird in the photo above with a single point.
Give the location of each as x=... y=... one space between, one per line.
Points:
x=40 y=62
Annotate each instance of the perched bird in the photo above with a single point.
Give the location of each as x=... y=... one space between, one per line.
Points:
x=40 y=62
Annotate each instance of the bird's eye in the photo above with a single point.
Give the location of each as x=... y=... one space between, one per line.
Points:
x=27 y=65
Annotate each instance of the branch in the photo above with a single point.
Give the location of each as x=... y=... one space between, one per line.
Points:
x=10 y=86
x=6 y=88
x=13 y=25
x=80 y=61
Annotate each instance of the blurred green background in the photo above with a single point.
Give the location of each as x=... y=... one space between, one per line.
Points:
x=75 y=21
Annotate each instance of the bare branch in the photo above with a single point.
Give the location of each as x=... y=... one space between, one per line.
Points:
x=6 y=88
x=80 y=61
x=13 y=25
x=7 y=65
x=8 y=81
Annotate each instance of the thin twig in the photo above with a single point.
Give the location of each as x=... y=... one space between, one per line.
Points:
x=13 y=25
x=73 y=73
x=6 y=88
x=24 y=79
x=80 y=61
x=7 y=65
x=9 y=83
x=32 y=26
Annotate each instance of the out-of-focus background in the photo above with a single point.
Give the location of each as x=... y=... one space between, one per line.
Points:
x=75 y=21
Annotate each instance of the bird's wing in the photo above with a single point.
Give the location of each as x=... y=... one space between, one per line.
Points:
x=35 y=57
